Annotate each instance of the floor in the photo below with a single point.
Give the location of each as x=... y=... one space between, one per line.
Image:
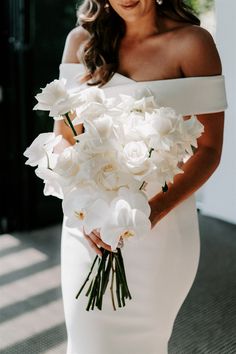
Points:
x=31 y=312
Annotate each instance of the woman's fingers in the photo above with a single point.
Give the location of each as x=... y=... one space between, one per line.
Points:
x=98 y=241
x=93 y=245
x=95 y=241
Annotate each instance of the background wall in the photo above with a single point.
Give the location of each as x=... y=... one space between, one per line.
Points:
x=218 y=196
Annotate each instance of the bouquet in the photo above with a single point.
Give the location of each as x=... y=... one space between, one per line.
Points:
x=128 y=142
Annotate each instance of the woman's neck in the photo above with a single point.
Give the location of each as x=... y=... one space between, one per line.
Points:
x=146 y=27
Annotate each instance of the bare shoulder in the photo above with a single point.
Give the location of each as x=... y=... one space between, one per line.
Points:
x=198 y=51
x=74 y=41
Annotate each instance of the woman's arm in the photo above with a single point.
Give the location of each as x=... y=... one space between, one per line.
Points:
x=201 y=59
x=73 y=43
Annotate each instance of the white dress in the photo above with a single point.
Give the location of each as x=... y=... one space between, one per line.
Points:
x=161 y=267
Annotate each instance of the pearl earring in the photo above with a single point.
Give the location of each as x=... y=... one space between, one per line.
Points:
x=107 y=7
x=159 y=2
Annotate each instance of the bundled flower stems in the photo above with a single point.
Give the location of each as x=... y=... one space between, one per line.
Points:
x=110 y=261
x=129 y=141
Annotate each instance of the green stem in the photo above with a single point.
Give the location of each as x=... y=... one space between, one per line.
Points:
x=87 y=277
x=49 y=168
x=122 y=294
x=100 y=276
x=121 y=269
x=106 y=276
x=89 y=289
x=92 y=295
x=150 y=152
x=112 y=280
x=118 y=285
x=165 y=188
x=70 y=124
x=141 y=185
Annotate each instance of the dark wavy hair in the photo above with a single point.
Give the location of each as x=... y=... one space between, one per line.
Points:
x=106 y=29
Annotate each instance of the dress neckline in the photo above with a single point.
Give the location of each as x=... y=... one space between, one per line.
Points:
x=179 y=79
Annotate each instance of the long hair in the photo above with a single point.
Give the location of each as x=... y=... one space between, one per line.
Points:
x=106 y=29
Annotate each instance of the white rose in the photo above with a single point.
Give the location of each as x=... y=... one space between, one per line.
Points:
x=135 y=158
x=68 y=163
x=109 y=177
x=57 y=99
x=105 y=172
x=135 y=154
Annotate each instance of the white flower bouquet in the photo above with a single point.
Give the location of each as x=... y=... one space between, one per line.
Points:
x=128 y=142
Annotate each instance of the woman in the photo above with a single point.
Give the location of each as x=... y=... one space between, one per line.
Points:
x=122 y=45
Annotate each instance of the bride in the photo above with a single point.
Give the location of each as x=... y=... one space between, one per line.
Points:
x=121 y=45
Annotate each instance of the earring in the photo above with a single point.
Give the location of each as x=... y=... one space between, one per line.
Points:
x=107 y=7
x=159 y=2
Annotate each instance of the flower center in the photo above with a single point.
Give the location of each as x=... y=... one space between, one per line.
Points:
x=108 y=168
x=139 y=110
x=128 y=233
x=80 y=215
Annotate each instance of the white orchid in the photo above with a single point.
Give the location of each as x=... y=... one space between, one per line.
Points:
x=40 y=150
x=54 y=184
x=124 y=221
x=85 y=207
x=57 y=99
x=137 y=199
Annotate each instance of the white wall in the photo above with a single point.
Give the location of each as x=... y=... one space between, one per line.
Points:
x=217 y=198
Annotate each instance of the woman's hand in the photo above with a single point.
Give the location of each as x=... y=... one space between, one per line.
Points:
x=153 y=217
x=158 y=209
x=96 y=242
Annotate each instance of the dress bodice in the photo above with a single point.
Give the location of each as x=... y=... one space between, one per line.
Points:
x=188 y=95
